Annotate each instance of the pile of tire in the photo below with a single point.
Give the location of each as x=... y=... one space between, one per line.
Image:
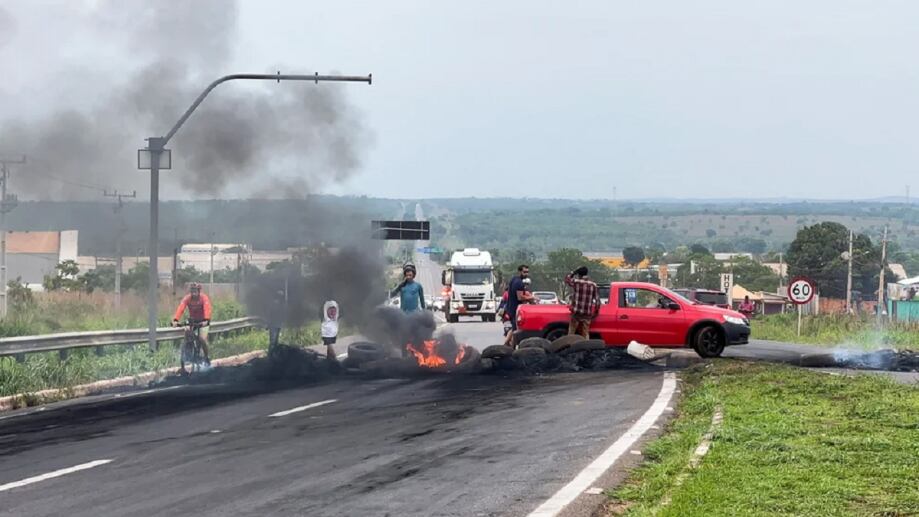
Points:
x=569 y=353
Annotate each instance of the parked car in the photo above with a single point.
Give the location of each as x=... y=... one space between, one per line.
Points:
x=705 y=297
x=429 y=303
x=647 y=313
x=439 y=303
x=546 y=297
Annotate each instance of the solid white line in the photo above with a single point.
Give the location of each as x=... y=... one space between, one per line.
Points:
x=597 y=467
x=303 y=408
x=56 y=473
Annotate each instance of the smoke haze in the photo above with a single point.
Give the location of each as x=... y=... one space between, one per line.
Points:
x=267 y=140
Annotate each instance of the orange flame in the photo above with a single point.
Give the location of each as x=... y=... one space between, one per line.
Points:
x=427 y=356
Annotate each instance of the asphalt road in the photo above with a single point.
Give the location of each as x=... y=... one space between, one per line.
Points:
x=439 y=445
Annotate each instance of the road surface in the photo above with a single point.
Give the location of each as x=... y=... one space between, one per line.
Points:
x=440 y=445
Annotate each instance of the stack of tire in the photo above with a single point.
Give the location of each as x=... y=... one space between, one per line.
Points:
x=538 y=353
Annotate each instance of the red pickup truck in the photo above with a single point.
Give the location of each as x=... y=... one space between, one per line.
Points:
x=647 y=313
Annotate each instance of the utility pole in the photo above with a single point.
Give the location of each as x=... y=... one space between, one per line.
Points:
x=210 y=285
x=849 y=277
x=781 y=272
x=7 y=203
x=119 y=205
x=882 y=308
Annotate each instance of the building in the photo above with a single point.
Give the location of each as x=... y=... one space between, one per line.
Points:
x=227 y=256
x=31 y=256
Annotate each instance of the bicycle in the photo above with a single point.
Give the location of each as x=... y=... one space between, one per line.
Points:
x=191 y=346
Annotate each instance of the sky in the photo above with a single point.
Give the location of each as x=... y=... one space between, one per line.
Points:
x=706 y=99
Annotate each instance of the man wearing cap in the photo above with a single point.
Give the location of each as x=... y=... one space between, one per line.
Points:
x=411 y=295
x=585 y=301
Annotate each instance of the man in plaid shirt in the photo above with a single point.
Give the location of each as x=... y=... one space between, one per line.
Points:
x=585 y=301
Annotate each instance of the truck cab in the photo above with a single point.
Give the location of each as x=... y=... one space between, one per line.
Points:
x=469 y=286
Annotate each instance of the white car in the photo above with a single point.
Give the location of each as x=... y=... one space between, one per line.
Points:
x=546 y=297
x=438 y=303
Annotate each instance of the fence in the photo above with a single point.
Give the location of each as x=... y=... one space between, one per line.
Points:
x=903 y=310
x=72 y=340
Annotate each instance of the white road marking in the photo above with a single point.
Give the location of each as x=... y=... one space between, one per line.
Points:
x=597 y=467
x=303 y=408
x=50 y=475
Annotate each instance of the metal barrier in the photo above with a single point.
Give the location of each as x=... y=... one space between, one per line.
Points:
x=72 y=340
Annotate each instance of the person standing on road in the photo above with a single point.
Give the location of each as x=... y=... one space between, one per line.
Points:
x=585 y=301
x=411 y=294
x=517 y=294
x=276 y=317
x=329 y=327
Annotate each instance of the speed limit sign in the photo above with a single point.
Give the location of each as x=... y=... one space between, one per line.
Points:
x=800 y=290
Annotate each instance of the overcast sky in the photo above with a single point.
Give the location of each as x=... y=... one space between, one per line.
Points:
x=543 y=99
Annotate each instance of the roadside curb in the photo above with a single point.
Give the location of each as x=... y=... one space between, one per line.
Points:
x=21 y=400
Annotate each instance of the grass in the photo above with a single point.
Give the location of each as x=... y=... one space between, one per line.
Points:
x=793 y=442
x=836 y=330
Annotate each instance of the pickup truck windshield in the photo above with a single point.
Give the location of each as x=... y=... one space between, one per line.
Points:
x=473 y=277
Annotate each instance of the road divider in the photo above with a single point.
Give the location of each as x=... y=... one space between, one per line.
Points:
x=51 y=475
x=302 y=408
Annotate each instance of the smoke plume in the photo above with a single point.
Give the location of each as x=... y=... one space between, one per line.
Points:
x=273 y=140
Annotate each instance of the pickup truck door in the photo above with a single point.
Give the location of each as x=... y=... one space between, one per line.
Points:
x=605 y=323
x=643 y=315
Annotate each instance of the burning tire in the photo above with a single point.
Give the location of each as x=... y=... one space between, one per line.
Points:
x=364 y=351
x=535 y=342
x=564 y=342
x=497 y=352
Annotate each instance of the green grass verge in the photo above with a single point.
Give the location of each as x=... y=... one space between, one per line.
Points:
x=836 y=330
x=793 y=442
x=46 y=370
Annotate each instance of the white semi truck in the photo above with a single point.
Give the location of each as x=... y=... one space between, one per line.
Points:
x=469 y=286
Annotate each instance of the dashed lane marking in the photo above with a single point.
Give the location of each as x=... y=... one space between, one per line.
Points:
x=302 y=408
x=50 y=475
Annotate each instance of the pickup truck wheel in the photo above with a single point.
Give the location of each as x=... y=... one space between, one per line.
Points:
x=708 y=341
x=556 y=333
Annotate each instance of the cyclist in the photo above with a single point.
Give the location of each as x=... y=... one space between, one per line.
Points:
x=199 y=312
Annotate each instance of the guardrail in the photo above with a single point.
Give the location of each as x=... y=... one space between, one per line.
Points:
x=71 y=340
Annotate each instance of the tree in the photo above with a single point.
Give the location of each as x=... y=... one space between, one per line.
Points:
x=701 y=271
x=20 y=296
x=633 y=255
x=103 y=277
x=817 y=253
x=754 y=276
x=698 y=249
x=65 y=277
x=710 y=233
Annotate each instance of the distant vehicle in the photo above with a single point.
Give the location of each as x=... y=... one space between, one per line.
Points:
x=469 y=281
x=705 y=297
x=395 y=302
x=438 y=303
x=647 y=313
x=429 y=303
x=546 y=297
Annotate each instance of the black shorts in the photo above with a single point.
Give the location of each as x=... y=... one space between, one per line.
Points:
x=328 y=340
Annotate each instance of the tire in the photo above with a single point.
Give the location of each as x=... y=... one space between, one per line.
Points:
x=564 y=342
x=497 y=352
x=363 y=351
x=556 y=333
x=588 y=345
x=530 y=357
x=708 y=341
x=535 y=342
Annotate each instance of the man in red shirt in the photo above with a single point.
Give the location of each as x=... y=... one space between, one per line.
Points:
x=199 y=311
x=585 y=302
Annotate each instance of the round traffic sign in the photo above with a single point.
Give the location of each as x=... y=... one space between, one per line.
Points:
x=800 y=290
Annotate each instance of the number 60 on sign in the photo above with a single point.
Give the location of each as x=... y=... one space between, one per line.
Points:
x=800 y=290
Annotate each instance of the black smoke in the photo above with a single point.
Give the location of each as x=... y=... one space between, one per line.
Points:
x=264 y=140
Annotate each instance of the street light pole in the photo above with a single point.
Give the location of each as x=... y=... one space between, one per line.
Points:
x=157 y=145
x=7 y=203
